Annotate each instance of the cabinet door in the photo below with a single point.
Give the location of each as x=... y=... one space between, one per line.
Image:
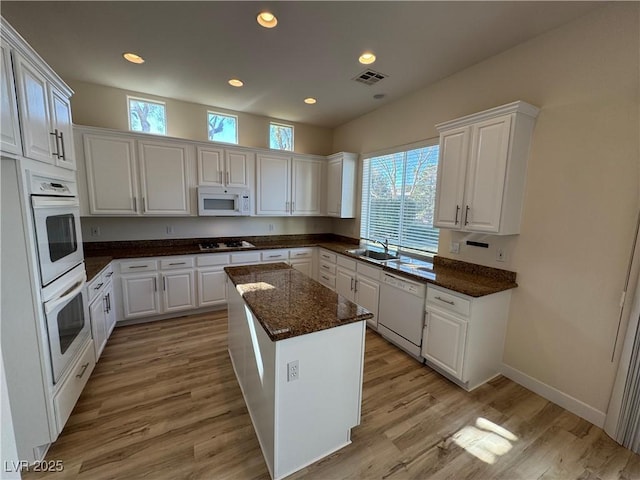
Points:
x=111 y=175
x=164 y=178
x=178 y=291
x=210 y=166
x=140 y=295
x=9 y=125
x=305 y=266
x=345 y=283
x=487 y=171
x=212 y=287
x=273 y=185
x=306 y=186
x=98 y=315
x=443 y=341
x=38 y=140
x=334 y=188
x=367 y=296
x=62 y=122
x=452 y=166
x=238 y=164
x=110 y=320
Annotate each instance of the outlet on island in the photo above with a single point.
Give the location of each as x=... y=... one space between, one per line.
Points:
x=293 y=371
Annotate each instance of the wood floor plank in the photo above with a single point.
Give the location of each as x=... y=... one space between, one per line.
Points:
x=163 y=403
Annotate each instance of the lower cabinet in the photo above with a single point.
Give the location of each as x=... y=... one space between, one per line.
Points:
x=302 y=260
x=463 y=337
x=178 y=291
x=360 y=283
x=101 y=309
x=140 y=297
x=212 y=287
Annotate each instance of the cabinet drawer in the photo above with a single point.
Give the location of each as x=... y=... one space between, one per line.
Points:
x=328 y=256
x=211 y=260
x=142 y=265
x=368 y=271
x=275 y=255
x=327 y=280
x=245 y=257
x=96 y=285
x=346 y=262
x=327 y=267
x=72 y=386
x=447 y=300
x=300 y=253
x=176 y=262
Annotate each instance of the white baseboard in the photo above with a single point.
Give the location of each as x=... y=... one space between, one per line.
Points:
x=556 y=396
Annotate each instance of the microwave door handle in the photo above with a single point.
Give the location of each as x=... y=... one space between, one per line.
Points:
x=51 y=305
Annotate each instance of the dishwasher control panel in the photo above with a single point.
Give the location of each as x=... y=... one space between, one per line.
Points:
x=406 y=285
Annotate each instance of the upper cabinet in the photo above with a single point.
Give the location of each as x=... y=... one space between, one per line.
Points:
x=225 y=167
x=153 y=179
x=482 y=169
x=341 y=185
x=289 y=185
x=43 y=106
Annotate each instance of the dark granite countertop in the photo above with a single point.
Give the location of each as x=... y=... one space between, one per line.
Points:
x=462 y=277
x=287 y=303
x=94 y=265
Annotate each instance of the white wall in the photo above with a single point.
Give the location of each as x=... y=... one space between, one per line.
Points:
x=582 y=188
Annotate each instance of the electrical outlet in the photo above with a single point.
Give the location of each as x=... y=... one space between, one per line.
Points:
x=455 y=247
x=501 y=254
x=95 y=231
x=169 y=229
x=293 y=371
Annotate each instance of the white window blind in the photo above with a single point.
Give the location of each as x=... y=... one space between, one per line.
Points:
x=398 y=194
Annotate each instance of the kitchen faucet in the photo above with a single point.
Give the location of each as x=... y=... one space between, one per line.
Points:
x=384 y=244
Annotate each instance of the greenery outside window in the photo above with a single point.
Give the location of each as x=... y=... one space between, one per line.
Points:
x=281 y=136
x=147 y=116
x=222 y=127
x=398 y=195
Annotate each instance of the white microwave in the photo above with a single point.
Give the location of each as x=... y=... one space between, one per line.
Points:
x=223 y=201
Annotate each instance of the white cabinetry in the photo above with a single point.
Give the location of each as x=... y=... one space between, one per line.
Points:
x=302 y=260
x=9 y=125
x=482 y=169
x=289 y=186
x=222 y=167
x=463 y=337
x=212 y=279
x=327 y=268
x=341 y=185
x=155 y=180
x=101 y=308
x=360 y=283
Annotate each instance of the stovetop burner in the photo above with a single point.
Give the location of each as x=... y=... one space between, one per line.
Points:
x=225 y=245
x=233 y=243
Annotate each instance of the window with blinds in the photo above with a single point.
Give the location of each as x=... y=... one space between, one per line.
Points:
x=398 y=195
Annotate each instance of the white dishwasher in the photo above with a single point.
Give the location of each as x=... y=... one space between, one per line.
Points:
x=401 y=312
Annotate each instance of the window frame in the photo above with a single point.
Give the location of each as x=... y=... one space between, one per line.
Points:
x=228 y=115
x=280 y=124
x=430 y=142
x=147 y=100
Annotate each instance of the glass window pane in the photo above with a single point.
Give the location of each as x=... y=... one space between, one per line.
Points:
x=147 y=116
x=281 y=136
x=222 y=128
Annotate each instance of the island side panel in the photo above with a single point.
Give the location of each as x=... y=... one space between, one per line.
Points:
x=315 y=413
x=253 y=358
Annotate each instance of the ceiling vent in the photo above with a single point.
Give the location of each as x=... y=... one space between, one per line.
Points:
x=370 y=77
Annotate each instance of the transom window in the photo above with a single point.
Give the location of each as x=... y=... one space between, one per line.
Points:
x=398 y=195
x=147 y=116
x=281 y=136
x=222 y=127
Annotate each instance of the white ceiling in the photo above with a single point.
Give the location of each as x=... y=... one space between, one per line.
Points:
x=193 y=48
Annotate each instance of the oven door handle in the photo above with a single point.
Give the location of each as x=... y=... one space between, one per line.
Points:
x=51 y=305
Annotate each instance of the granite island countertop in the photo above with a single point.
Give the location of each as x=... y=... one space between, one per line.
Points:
x=462 y=277
x=287 y=303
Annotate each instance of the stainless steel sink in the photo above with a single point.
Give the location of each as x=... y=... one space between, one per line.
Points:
x=373 y=254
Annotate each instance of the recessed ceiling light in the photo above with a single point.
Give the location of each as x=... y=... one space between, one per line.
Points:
x=310 y=100
x=267 y=19
x=133 y=58
x=366 y=58
x=234 y=82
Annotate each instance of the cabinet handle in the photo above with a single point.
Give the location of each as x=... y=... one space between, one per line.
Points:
x=178 y=263
x=108 y=302
x=164 y=282
x=144 y=204
x=466 y=216
x=355 y=286
x=105 y=304
x=98 y=287
x=325 y=277
x=228 y=178
x=446 y=301
x=286 y=206
x=301 y=254
x=220 y=172
x=293 y=206
x=135 y=204
x=155 y=284
x=326 y=267
x=352 y=284
x=64 y=155
x=137 y=266
x=84 y=369
x=275 y=256
x=457 y=212
x=108 y=275
x=55 y=135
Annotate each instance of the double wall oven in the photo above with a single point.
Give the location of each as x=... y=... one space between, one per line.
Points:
x=56 y=216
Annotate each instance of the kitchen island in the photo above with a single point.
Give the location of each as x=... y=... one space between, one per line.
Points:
x=297 y=349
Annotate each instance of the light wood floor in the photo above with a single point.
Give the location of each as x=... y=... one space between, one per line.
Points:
x=163 y=403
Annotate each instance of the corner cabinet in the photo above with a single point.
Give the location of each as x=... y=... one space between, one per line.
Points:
x=341 y=185
x=482 y=169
